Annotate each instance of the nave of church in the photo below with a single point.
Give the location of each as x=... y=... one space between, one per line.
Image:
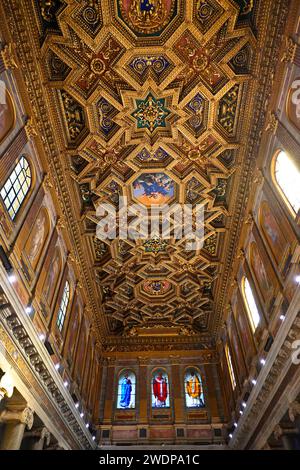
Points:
x=126 y=126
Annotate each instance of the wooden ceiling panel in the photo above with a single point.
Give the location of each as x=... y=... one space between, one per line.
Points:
x=161 y=90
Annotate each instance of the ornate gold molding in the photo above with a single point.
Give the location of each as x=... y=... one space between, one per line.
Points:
x=272 y=124
x=9 y=57
x=44 y=109
x=290 y=51
x=30 y=128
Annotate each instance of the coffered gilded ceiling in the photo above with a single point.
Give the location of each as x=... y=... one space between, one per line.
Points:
x=161 y=93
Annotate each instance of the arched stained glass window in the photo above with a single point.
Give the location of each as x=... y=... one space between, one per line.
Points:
x=160 y=389
x=63 y=307
x=250 y=303
x=16 y=187
x=126 y=390
x=194 y=397
x=230 y=367
x=287 y=177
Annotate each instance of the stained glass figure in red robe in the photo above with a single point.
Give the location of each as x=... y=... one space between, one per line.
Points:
x=160 y=390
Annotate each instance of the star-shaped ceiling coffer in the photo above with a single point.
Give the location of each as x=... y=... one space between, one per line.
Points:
x=151 y=115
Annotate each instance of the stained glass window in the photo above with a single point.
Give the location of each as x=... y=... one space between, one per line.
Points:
x=126 y=390
x=16 y=187
x=160 y=389
x=251 y=306
x=63 y=307
x=287 y=176
x=194 y=397
x=230 y=367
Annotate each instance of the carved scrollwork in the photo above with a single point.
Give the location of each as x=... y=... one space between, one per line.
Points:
x=8 y=56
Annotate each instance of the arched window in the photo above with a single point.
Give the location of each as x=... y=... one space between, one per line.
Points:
x=230 y=367
x=194 y=397
x=287 y=178
x=160 y=389
x=126 y=390
x=16 y=187
x=250 y=303
x=63 y=307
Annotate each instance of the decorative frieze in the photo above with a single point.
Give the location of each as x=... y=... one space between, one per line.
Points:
x=9 y=57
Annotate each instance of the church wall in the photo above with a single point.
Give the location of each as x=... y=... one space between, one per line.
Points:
x=174 y=423
x=269 y=249
x=32 y=241
x=38 y=236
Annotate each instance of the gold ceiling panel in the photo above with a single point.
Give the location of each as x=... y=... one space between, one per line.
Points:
x=160 y=90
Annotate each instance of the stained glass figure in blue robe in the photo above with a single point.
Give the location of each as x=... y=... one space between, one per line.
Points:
x=126 y=389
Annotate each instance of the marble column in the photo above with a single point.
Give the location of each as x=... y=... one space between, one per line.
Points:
x=39 y=438
x=16 y=420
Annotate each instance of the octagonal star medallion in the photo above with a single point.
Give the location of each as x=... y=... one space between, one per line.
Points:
x=150 y=113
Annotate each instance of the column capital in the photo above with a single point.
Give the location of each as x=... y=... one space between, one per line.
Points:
x=45 y=434
x=294 y=410
x=175 y=359
x=41 y=433
x=110 y=361
x=280 y=431
x=143 y=360
x=24 y=416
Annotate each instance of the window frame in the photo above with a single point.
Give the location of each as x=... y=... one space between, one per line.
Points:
x=165 y=372
x=120 y=373
x=277 y=185
x=10 y=196
x=230 y=367
x=201 y=375
x=63 y=307
x=250 y=315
